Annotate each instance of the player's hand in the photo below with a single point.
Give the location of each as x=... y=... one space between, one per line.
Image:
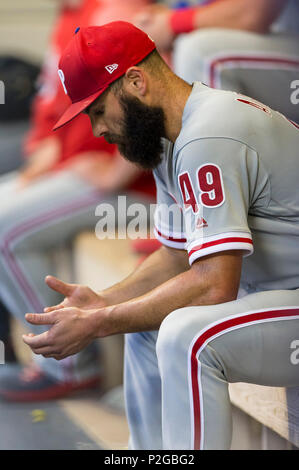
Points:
x=93 y=167
x=75 y=295
x=72 y=329
x=155 y=21
x=40 y=162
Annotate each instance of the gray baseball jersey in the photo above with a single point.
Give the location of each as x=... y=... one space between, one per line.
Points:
x=233 y=172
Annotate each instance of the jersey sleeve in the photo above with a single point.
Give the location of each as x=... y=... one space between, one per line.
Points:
x=168 y=217
x=216 y=178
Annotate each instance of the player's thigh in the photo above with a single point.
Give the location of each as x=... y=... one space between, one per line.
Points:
x=255 y=345
x=254 y=64
x=56 y=209
x=197 y=52
x=47 y=211
x=251 y=338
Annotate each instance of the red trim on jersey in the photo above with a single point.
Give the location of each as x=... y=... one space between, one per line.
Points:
x=294 y=123
x=266 y=60
x=219 y=242
x=177 y=240
x=256 y=105
x=207 y=336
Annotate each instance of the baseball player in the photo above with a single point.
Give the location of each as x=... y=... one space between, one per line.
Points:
x=249 y=46
x=231 y=165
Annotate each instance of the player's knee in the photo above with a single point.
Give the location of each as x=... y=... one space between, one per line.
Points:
x=169 y=333
x=12 y=232
x=179 y=328
x=178 y=334
x=192 y=51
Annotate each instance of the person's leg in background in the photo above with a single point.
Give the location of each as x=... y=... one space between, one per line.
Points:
x=260 y=66
x=142 y=387
x=181 y=399
x=5 y=335
x=7 y=191
x=32 y=223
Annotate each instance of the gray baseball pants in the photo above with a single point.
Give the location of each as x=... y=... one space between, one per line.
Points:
x=265 y=67
x=34 y=221
x=176 y=380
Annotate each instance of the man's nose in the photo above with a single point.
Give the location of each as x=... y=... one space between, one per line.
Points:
x=98 y=127
x=99 y=130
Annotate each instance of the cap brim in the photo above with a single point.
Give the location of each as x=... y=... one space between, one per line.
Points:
x=77 y=108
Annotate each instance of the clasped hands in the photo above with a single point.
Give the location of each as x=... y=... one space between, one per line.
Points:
x=74 y=323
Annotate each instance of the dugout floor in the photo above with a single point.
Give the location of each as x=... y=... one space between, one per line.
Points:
x=82 y=422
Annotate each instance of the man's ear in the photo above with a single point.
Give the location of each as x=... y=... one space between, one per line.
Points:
x=136 y=81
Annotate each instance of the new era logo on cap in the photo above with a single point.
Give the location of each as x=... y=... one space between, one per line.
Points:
x=111 y=68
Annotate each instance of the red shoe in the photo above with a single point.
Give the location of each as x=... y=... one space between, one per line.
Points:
x=30 y=383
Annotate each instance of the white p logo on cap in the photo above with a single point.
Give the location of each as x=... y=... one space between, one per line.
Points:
x=61 y=76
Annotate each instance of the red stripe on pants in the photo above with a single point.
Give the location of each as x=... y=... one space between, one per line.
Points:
x=207 y=336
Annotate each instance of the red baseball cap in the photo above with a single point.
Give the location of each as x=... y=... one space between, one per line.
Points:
x=95 y=57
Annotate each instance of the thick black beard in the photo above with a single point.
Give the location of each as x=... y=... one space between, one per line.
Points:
x=143 y=129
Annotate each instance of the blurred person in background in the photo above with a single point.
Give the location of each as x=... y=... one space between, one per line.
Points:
x=51 y=199
x=249 y=46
